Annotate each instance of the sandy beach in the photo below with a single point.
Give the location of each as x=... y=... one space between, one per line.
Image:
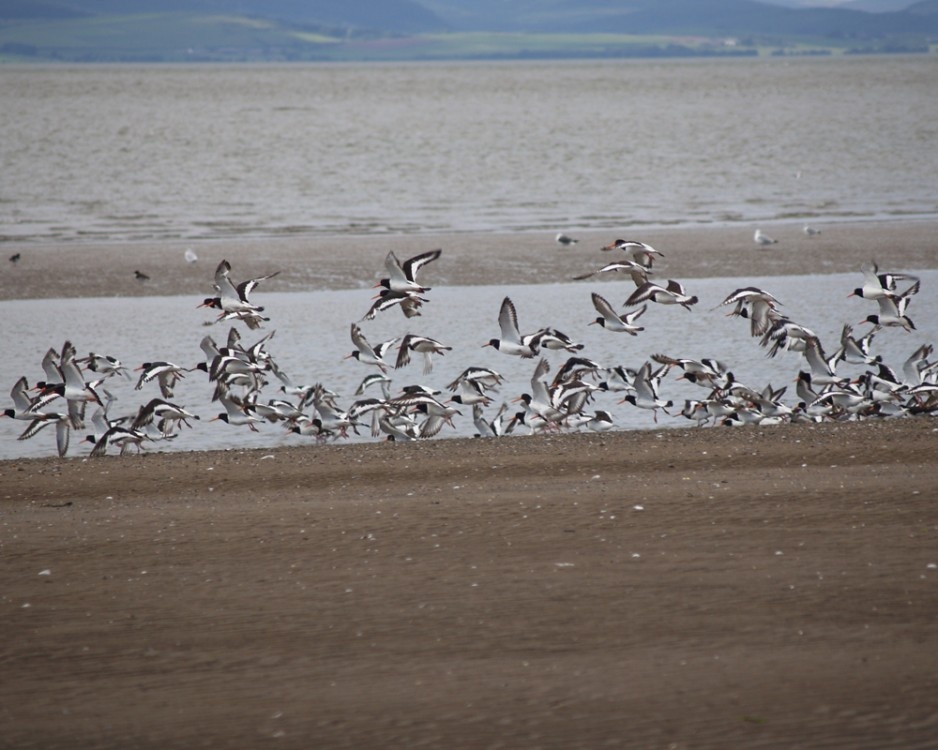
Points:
x=680 y=588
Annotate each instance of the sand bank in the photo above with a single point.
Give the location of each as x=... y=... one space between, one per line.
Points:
x=348 y=261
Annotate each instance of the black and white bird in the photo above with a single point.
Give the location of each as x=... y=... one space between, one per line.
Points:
x=637 y=272
x=612 y=321
x=638 y=252
x=877 y=285
x=422 y=345
x=368 y=354
x=646 y=395
x=234 y=300
x=402 y=277
x=103 y=364
x=671 y=294
x=892 y=310
x=164 y=415
x=167 y=374
x=409 y=303
x=511 y=341
x=758 y=305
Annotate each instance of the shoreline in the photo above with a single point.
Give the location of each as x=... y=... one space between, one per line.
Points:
x=96 y=269
x=691 y=588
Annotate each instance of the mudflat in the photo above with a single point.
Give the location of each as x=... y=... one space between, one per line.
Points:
x=679 y=588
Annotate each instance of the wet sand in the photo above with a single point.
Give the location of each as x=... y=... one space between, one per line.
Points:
x=349 y=262
x=750 y=587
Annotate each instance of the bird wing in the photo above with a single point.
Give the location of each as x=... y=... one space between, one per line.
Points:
x=413 y=265
x=644 y=293
x=676 y=288
x=508 y=321
x=888 y=306
x=631 y=317
x=359 y=340
x=63 y=431
x=226 y=290
x=393 y=266
x=21 y=401
x=245 y=288
x=603 y=307
x=381 y=349
x=403 y=354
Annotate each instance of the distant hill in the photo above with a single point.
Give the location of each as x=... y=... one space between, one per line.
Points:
x=924 y=8
x=18 y=10
x=237 y=30
x=672 y=17
x=384 y=15
x=872 y=6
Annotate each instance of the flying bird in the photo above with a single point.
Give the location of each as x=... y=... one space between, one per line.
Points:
x=402 y=277
x=511 y=341
x=612 y=321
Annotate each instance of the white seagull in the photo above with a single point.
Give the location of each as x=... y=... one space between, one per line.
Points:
x=763 y=239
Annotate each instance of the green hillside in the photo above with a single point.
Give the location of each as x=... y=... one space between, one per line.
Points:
x=323 y=30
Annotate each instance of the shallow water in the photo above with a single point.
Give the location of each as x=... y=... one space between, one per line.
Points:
x=312 y=337
x=188 y=152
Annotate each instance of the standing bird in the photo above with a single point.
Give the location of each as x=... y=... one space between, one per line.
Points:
x=762 y=239
x=141 y=276
x=190 y=255
x=612 y=321
x=15 y=258
x=565 y=240
x=811 y=231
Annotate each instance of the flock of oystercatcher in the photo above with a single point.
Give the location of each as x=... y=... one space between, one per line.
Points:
x=239 y=375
